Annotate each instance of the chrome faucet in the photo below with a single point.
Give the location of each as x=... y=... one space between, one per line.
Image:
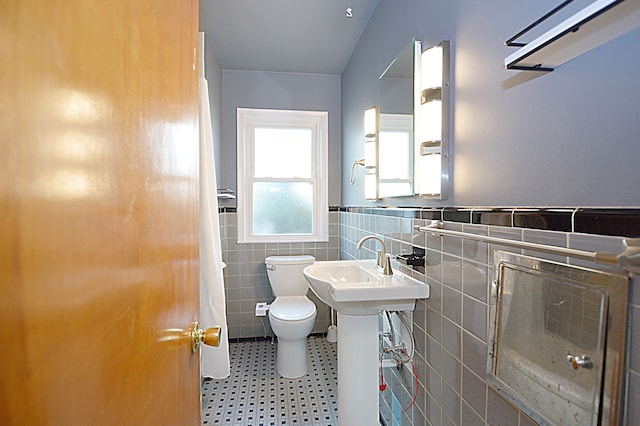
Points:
x=384 y=259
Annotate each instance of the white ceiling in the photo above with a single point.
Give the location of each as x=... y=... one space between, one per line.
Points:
x=301 y=36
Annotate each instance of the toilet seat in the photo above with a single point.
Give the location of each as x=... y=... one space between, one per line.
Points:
x=292 y=308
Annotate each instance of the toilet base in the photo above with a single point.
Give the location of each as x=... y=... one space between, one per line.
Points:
x=291 y=358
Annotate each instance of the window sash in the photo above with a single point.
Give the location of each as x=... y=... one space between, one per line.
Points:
x=248 y=121
x=306 y=170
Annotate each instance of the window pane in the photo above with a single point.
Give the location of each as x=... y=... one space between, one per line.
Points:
x=282 y=153
x=282 y=208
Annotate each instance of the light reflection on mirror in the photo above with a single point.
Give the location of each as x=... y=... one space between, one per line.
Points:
x=396 y=126
x=395 y=148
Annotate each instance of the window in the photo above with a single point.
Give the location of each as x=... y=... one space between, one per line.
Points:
x=282 y=176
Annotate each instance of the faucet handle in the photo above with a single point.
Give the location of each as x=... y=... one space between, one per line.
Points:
x=386 y=269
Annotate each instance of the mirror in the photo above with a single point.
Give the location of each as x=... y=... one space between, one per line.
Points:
x=396 y=123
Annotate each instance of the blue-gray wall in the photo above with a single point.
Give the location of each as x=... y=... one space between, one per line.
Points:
x=246 y=281
x=568 y=138
x=213 y=74
x=271 y=90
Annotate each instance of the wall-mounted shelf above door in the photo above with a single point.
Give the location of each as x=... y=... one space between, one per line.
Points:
x=593 y=26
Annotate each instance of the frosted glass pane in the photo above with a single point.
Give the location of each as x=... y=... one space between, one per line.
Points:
x=432 y=60
x=395 y=155
x=282 y=153
x=430 y=174
x=431 y=121
x=282 y=208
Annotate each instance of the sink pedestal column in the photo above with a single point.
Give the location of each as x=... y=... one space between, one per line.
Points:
x=358 y=384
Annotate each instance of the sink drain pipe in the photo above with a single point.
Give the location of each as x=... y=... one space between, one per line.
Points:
x=399 y=354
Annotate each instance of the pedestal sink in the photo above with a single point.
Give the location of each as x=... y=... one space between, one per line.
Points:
x=357 y=290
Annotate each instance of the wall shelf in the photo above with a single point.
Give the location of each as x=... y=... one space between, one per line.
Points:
x=593 y=26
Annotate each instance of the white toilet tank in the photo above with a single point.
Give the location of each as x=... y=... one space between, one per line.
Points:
x=285 y=274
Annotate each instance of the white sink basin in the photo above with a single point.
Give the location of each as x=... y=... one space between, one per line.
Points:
x=358 y=291
x=356 y=287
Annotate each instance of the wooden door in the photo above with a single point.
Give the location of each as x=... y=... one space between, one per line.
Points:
x=98 y=212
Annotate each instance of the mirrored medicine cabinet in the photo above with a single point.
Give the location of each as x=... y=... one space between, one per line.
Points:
x=398 y=103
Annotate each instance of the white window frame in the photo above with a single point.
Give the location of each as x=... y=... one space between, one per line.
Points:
x=317 y=121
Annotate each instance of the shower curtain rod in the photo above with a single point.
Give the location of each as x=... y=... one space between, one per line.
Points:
x=628 y=260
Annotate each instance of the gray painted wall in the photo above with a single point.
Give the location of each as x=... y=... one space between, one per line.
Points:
x=566 y=138
x=257 y=89
x=213 y=74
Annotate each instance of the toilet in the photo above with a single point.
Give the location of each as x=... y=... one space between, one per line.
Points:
x=291 y=314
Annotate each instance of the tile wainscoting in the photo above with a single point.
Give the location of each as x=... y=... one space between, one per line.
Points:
x=245 y=276
x=451 y=326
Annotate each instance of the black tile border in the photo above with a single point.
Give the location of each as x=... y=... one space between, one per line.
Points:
x=454 y=214
x=549 y=220
x=234 y=209
x=622 y=222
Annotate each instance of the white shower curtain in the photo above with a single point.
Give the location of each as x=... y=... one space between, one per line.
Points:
x=214 y=361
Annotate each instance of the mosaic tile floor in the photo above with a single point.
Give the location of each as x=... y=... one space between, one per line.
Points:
x=255 y=395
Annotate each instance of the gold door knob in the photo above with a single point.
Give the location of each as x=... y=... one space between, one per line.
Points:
x=210 y=336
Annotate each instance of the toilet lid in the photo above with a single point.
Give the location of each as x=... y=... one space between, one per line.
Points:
x=292 y=308
x=289 y=260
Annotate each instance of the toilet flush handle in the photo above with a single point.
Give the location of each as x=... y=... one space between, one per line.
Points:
x=271 y=267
